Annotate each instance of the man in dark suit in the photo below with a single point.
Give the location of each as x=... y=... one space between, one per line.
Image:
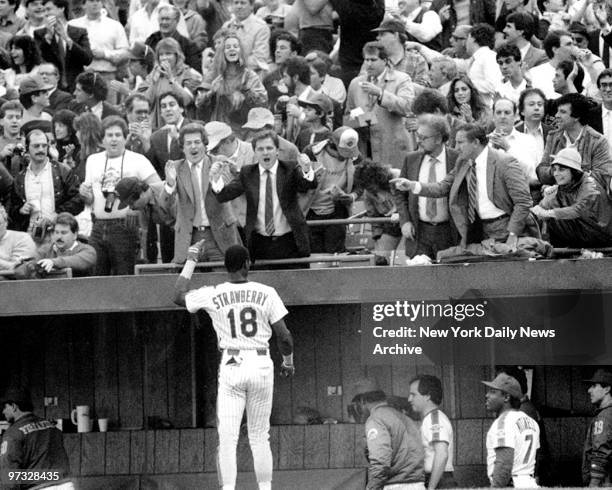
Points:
x=275 y=225
x=90 y=95
x=165 y=146
x=66 y=46
x=199 y=215
x=164 y=141
x=425 y=221
x=58 y=99
x=520 y=28
x=168 y=21
x=488 y=195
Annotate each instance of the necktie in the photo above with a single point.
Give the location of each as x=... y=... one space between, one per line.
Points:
x=431 y=205
x=472 y=183
x=197 y=194
x=174 y=149
x=269 y=209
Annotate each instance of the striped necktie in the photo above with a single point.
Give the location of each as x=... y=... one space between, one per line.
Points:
x=431 y=205
x=472 y=183
x=269 y=209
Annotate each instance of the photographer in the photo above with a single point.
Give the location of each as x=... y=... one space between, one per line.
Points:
x=43 y=189
x=11 y=141
x=115 y=231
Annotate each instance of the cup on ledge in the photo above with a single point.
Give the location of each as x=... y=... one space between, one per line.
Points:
x=103 y=425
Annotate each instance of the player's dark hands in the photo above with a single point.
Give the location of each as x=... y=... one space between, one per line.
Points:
x=287 y=370
x=193 y=252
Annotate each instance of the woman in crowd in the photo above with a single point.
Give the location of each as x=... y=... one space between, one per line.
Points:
x=170 y=74
x=25 y=58
x=88 y=130
x=234 y=90
x=66 y=141
x=465 y=103
x=374 y=178
x=577 y=211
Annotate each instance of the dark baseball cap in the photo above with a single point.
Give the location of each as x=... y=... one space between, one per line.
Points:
x=506 y=383
x=391 y=25
x=318 y=100
x=127 y=188
x=579 y=28
x=601 y=376
x=33 y=83
x=141 y=52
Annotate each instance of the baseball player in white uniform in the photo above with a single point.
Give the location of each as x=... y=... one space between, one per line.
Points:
x=244 y=314
x=514 y=437
x=425 y=397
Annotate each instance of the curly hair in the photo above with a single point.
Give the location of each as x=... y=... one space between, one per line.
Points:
x=476 y=103
x=373 y=175
x=31 y=53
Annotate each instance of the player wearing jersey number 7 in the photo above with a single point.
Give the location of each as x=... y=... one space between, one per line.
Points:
x=514 y=437
x=244 y=314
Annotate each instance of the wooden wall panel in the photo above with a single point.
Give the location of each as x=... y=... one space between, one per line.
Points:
x=57 y=337
x=558 y=388
x=155 y=366
x=117 y=453
x=33 y=360
x=291 y=447
x=304 y=384
x=581 y=402
x=166 y=451
x=191 y=451
x=274 y=445
x=180 y=391
x=72 y=444
x=130 y=374
x=468 y=440
x=327 y=358
x=471 y=391
x=81 y=360
x=105 y=367
x=93 y=454
x=342 y=445
x=350 y=357
x=142 y=452
x=316 y=446
x=211 y=441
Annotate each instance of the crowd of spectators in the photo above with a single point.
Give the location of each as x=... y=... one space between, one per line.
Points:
x=131 y=130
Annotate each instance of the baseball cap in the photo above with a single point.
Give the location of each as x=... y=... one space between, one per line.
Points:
x=317 y=100
x=127 y=188
x=347 y=141
x=259 y=117
x=141 y=52
x=391 y=25
x=507 y=384
x=33 y=83
x=600 y=376
x=216 y=132
x=578 y=28
x=365 y=385
x=568 y=157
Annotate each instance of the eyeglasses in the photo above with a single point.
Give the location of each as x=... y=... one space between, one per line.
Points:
x=457 y=38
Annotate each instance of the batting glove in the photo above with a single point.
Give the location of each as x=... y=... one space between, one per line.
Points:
x=193 y=252
x=287 y=370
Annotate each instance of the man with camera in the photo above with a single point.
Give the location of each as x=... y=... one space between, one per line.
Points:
x=11 y=142
x=42 y=190
x=115 y=233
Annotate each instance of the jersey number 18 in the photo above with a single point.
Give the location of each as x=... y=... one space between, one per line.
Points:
x=248 y=322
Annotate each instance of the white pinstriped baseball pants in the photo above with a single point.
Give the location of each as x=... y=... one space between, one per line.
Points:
x=248 y=384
